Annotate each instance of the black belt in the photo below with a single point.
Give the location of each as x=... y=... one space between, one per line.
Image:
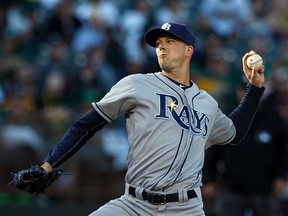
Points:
x=160 y=198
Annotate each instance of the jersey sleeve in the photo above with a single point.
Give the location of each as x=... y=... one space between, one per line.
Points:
x=223 y=130
x=119 y=100
x=234 y=127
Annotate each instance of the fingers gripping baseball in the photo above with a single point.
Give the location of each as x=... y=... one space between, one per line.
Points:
x=35 y=179
x=253 y=68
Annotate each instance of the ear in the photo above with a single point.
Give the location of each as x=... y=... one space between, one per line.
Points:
x=190 y=51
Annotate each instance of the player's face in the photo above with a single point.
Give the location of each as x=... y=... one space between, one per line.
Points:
x=171 y=53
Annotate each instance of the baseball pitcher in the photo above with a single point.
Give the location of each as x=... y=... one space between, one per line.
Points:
x=170 y=122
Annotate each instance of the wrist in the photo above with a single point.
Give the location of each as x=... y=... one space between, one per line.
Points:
x=47 y=167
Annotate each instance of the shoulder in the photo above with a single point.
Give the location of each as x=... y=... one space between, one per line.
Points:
x=135 y=81
x=145 y=75
x=138 y=78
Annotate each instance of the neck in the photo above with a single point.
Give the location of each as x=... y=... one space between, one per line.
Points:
x=182 y=78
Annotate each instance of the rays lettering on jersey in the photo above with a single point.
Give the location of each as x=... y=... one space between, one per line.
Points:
x=186 y=118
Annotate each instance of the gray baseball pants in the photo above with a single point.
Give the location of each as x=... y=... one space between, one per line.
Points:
x=127 y=205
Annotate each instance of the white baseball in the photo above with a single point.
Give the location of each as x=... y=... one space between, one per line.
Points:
x=255 y=61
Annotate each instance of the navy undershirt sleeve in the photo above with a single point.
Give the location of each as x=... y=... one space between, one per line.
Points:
x=76 y=136
x=243 y=115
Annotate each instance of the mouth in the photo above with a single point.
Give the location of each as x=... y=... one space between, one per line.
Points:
x=162 y=55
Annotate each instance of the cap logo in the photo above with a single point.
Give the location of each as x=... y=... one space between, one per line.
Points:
x=166 y=26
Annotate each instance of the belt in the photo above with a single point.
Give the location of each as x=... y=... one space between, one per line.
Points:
x=160 y=198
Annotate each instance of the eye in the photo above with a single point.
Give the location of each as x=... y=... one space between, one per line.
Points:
x=170 y=40
x=157 y=44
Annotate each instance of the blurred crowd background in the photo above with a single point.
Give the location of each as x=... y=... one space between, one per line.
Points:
x=58 y=56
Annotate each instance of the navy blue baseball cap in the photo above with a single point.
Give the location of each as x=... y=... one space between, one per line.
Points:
x=177 y=29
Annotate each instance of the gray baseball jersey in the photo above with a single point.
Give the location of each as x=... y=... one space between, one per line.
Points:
x=168 y=128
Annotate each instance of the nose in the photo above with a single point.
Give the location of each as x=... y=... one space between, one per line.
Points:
x=161 y=46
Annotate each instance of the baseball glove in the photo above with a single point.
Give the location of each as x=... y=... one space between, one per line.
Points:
x=35 y=179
